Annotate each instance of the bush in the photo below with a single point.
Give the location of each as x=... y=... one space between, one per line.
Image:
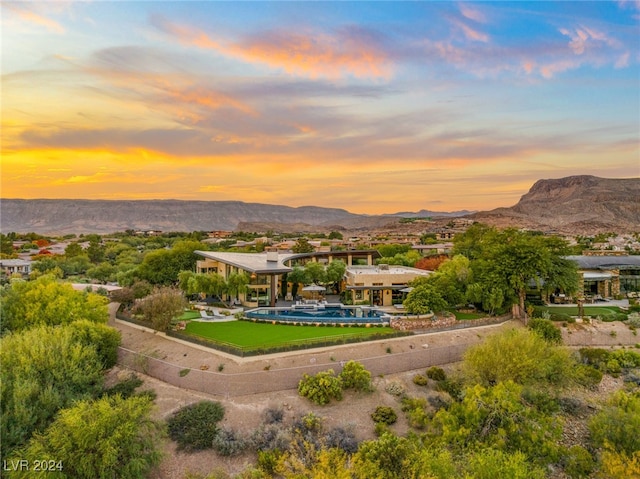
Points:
x=395 y=389
x=321 y=388
x=578 y=462
x=420 y=380
x=193 y=427
x=270 y=438
x=587 y=376
x=273 y=415
x=436 y=373
x=546 y=330
x=342 y=438
x=416 y=411
x=616 y=426
x=355 y=376
x=227 y=442
x=385 y=415
x=451 y=387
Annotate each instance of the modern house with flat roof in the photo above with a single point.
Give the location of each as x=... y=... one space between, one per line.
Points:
x=267 y=270
x=608 y=276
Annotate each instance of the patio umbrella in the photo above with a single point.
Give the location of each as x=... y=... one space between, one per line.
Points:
x=408 y=289
x=314 y=288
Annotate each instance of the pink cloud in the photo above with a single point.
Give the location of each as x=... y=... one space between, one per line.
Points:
x=470 y=33
x=313 y=54
x=472 y=13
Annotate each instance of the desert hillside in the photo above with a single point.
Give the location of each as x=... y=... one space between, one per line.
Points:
x=574 y=205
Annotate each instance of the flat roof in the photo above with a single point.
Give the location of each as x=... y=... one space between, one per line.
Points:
x=606 y=262
x=387 y=269
x=252 y=262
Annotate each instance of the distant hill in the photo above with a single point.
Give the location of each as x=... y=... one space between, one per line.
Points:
x=432 y=214
x=574 y=205
x=107 y=216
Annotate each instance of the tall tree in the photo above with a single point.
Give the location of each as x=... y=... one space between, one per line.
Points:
x=46 y=301
x=43 y=370
x=108 y=438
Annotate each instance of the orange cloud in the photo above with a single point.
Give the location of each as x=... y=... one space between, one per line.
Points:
x=32 y=17
x=312 y=55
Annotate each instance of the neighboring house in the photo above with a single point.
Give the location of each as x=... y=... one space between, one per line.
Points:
x=429 y=249
x=380 y=285
x=12 y=266
x=607 y=276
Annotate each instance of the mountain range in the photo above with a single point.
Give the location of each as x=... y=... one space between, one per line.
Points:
x=574 y=205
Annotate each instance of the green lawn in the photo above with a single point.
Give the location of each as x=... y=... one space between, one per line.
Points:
x=462 y=316
x=187 y=315
x=249 y=335
x=607 y=313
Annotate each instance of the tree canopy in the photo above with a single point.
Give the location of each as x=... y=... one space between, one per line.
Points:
x=46 y=301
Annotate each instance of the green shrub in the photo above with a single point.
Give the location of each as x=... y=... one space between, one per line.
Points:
x=546 y=330
x=596 y=357
x=436 y=373
x=617 y=425
x=613 y=367
x=451 y=387
x=194 y=426
x=587 y=376
x=416 y=411
x=420 y=380
x=355 y=376
x=578 y=462
x=268 y=460
x=321 y=388
x=385 y=415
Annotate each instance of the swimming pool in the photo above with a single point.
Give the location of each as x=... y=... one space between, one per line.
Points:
x=338 y=314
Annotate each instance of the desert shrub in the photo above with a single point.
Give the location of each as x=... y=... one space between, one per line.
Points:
x=416 y=411
x=228 y=442
x=546 y=330
x=596 y=357
x=571 y=406
x=342 y=438
x=384 y=415
x=436 y=373
x=321 y=388
x=578 y=462
x=309 y=423
x=616 y=426
x=273 y=415
x=420 y=380
x=541 y=400
x=492 y=463
x=626 y=358
x=194 y=426
x=437 y=402
x=633 y=320
x=395 y=389
x=519 y=355
x=587 y=376
x=270 y=438
x=381 y=428
x=614 y=368
x=452 y=387
x=355 y=376
x=267 y=461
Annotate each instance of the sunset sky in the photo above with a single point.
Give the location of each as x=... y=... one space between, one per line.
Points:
x=374 y=107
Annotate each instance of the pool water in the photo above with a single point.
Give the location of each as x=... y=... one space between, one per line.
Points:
x=329 y=314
